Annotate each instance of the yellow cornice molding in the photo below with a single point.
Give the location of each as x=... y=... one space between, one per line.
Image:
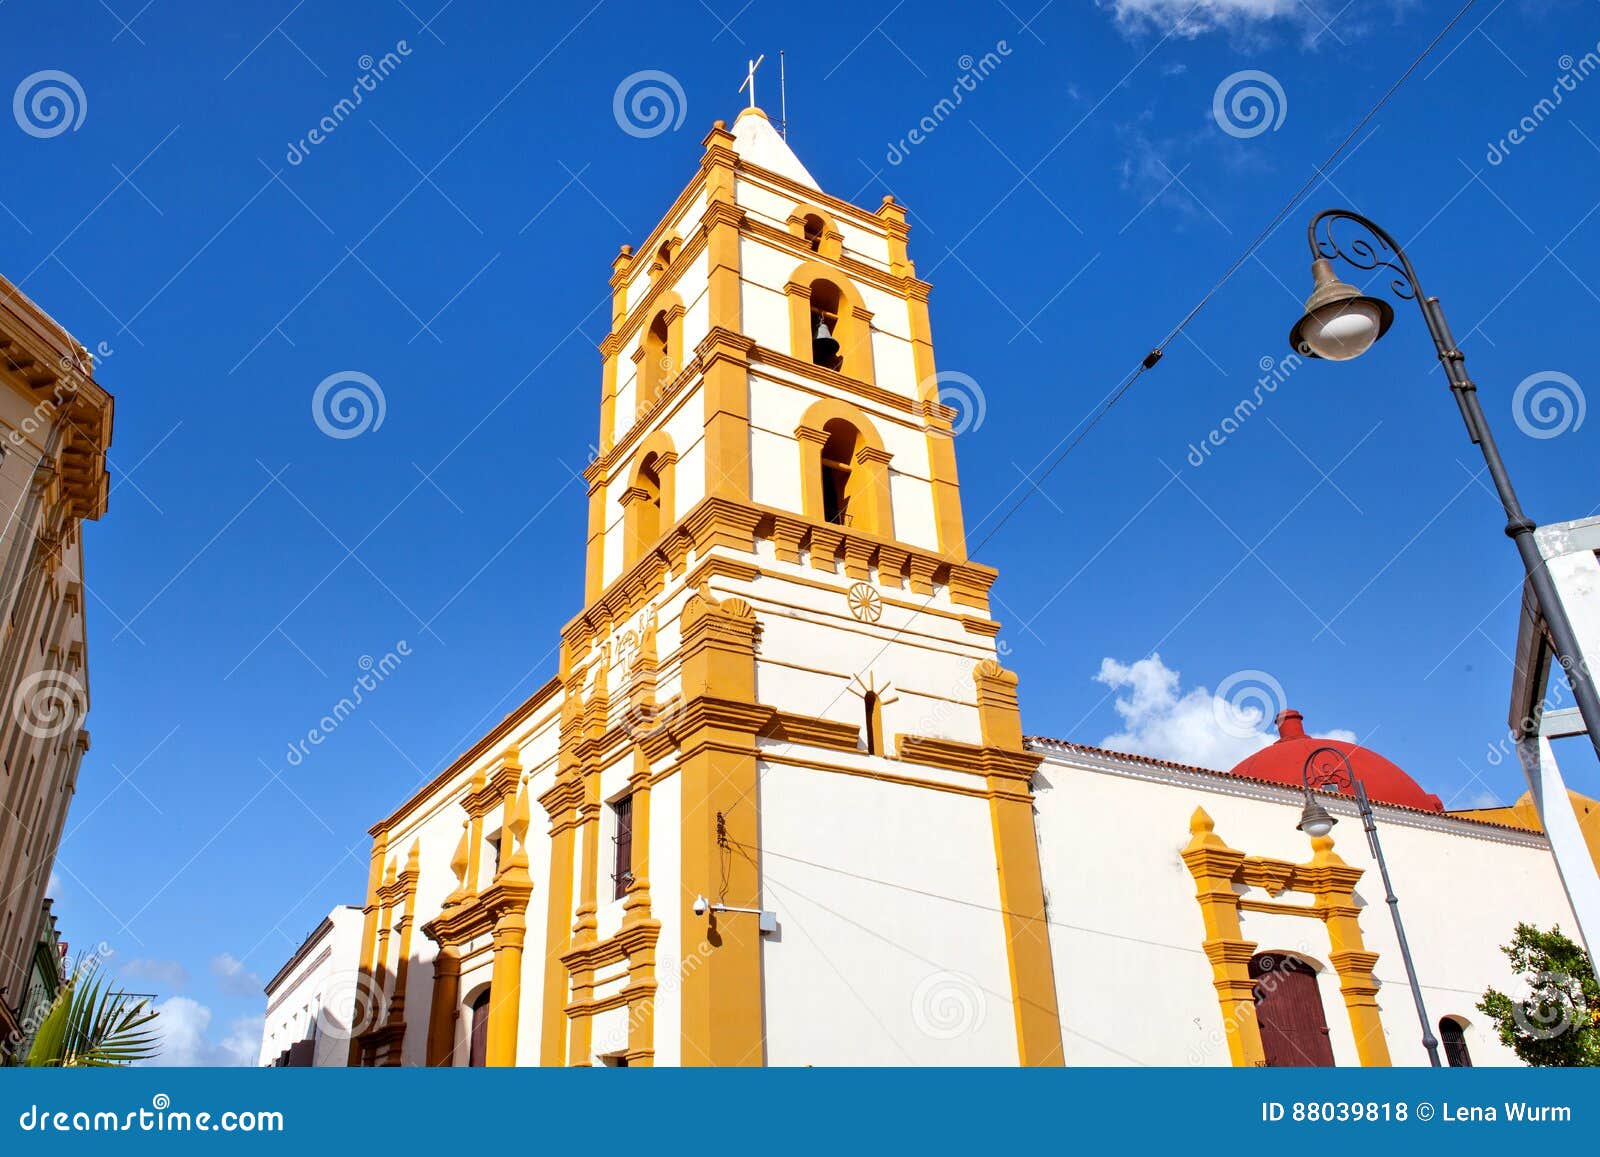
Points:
x=494 y=791
x=641 y=990
x=458 y=924
x=725 y=521
x=1279 y=908
x=1010 y=772
x=811 y=731
x=630 y=940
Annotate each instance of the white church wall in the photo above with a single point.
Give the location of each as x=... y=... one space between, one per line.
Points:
x=812 y=646
x=890 y=948
x=914 y=519
x=1126 y=929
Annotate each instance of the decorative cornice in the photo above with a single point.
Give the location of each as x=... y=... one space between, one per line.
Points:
x=1014 y=768
x=810 y=731
x=54 y=373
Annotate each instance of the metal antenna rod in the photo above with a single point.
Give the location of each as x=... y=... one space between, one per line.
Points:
x=783 y=101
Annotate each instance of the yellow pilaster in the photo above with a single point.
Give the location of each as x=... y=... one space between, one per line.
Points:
x=721 y=998
x=380 y=969
x=941 y=445
x=725 y=382
x=369 y=923
x=505 y=989
x=408 y=881
x=443 y=1011
x=1333 y=883
x=636 y=905
x=1010 y=770
x=561 y=803
x=1213 y=864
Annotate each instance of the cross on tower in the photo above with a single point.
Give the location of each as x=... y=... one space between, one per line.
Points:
x=750 y=78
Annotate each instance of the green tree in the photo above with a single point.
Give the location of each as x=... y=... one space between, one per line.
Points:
x=1559 y=1021
x=90 y=1025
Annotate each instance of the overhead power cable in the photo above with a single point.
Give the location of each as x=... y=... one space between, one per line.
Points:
x=1149 y=361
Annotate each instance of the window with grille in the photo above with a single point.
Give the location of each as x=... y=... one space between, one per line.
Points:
x=622 y=873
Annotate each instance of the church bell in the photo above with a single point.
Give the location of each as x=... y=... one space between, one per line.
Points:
x=824 y=350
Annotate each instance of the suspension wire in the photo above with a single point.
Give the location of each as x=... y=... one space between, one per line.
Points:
x=1087 y=424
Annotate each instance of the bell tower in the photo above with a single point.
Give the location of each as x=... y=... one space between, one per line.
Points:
x=783 y=694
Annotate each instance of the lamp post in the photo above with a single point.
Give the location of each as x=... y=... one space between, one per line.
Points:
x=1341 y=323
x=1315 y=821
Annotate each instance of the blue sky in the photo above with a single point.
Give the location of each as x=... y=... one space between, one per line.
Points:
x=452 y=238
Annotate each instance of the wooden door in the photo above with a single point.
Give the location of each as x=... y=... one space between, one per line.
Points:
x=1294 y=1031
x=478 y=1046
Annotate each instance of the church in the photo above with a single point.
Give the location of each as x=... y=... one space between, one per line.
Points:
x=778 y=805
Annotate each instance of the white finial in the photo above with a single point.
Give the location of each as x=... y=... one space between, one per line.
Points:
x=750 y=78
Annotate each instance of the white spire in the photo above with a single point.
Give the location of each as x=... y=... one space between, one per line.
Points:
x=758 y=142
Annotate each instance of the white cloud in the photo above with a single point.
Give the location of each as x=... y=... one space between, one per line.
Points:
x=1481 y=798
x=185 y=1025
x=1160 y=719
x=233 y=978
x=1189 y=19
x=168 y=974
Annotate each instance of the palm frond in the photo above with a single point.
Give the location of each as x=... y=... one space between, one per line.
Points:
x=92 y=1025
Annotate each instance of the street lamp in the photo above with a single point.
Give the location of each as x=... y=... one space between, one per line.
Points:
x=1341 y=323
x=1316 y=822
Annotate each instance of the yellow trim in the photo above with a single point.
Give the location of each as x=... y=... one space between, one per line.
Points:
x=1016 y=847
x=830 y=241
x=722 y=1014
x=1217 y=868
x=854 y=329
x=869 y=474
x=443 y=1010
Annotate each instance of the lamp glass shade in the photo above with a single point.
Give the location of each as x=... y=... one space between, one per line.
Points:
x=1315 y=820
x=1342 y=330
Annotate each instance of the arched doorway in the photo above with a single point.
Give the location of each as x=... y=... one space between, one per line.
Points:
x=1453 y=1036
x=1294 y=1030
x=478 y=1040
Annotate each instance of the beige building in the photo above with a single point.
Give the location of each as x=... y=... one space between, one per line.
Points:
x=55 y=425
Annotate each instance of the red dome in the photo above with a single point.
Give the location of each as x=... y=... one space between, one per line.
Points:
x=1283 y=761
